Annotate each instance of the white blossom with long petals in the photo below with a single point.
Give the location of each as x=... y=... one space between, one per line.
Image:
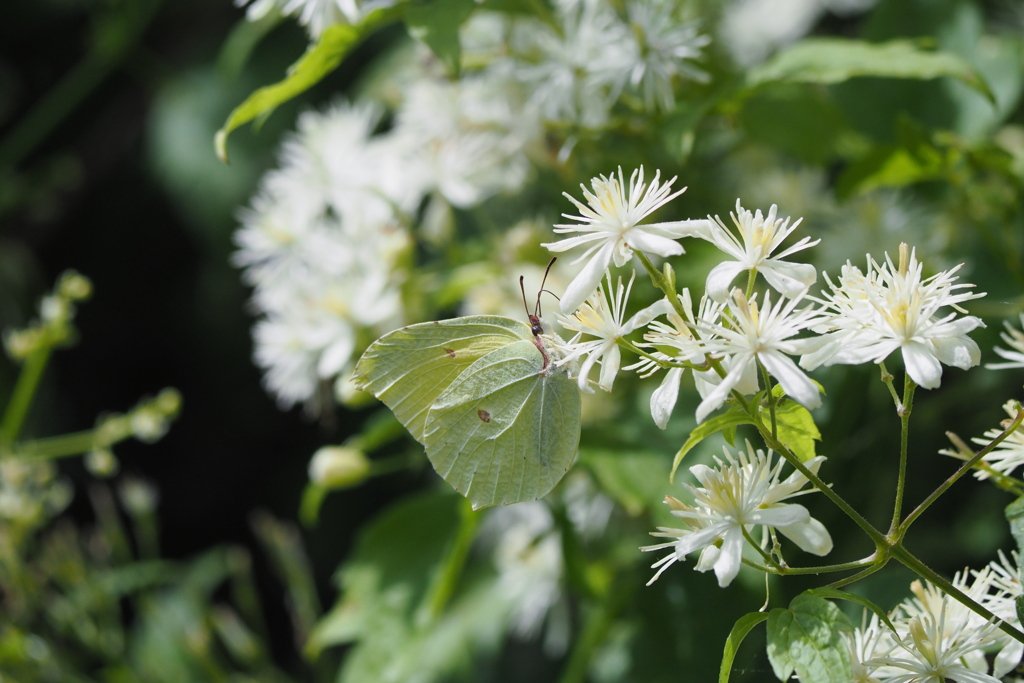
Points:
x=759 y=237
x=610 y=227
x=737 y=495
x=1004 y=458
x=747 y=336
x=870 y=315
x=1014 y=356
x=676 y=336
x=602 y=317
x=940 y=639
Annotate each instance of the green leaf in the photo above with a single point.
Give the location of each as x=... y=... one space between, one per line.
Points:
x=739 y=631
x=436 y=24
x=733 y=418
x=806 y=638
x=391 y=570
x=836 y=594
x=320 y=59
x=800 y=120
x=795 y=428
x=635 y=480
x=1015 y=516
x=834 y=60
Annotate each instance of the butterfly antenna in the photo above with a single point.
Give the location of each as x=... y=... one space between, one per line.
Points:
x=522 y=288
x=536 y=310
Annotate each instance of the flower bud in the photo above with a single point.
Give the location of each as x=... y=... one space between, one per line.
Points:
x=101 y=462
x=338 y=467
x=74 y=286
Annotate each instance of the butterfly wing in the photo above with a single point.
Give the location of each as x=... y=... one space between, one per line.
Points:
x=502 y=432
x=408 y=369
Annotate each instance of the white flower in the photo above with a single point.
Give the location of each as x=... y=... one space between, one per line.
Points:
x=868 y=316
x=1002 y=579
x=1008 y=455
x=661 y=46
x=601 y=317
x=467 y=139
x=761 y=235
x=736 y=496
x=677 y=336
x=870 y=641
x=316 y=15
x=320 y=244
x=939 y=640
x=611 y=228
x=1014 y=338
x=574 y=75
x=748 y=336
x=527 y=552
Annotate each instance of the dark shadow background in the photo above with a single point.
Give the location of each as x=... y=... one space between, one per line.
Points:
x=124 y=187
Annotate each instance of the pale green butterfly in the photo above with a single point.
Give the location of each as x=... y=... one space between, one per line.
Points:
x=499 y=418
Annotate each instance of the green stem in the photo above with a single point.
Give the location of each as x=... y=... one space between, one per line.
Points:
x=659 y=281
x=772 y=442
x=771 y=399
x=24 y=392
x=391 y=464
x=595 y=629
x=751 y=279
x=860 y=575
x=451 y=571
x=904 y=411
x=764 y=553
x=869 y=561
x=887 y=378
x=926 y=572
x=62 y=446
x=964 y=469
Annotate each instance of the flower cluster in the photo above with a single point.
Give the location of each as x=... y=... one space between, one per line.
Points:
x=867 y=316
x=938 y=639
x=324 y=239
x=741 y=493
x=741 y=335
x=576 y=67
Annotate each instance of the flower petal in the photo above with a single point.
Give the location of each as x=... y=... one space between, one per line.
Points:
x=663 y=400
x=719 y=279
x=587 y=280
x=789 y=279
x=727 y=564
x=610 y=366
x=794 y=382
x=650 y=243
x=960 y=352
x=922 y=365
x=811 y=536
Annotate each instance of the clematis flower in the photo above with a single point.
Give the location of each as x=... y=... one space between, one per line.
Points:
x=601 y=317
x=1007 y=456
x=760 y=236
x=662 y=45
x=748 y=336
x=610 y=226
x=870 y=315
x=736 y=496
x=940 y=639
x=675 y=342
x=1014 y=338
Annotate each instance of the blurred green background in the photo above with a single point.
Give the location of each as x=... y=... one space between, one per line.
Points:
x=107 y=114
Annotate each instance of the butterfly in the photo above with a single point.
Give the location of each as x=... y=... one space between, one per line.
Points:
x=499 y=417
